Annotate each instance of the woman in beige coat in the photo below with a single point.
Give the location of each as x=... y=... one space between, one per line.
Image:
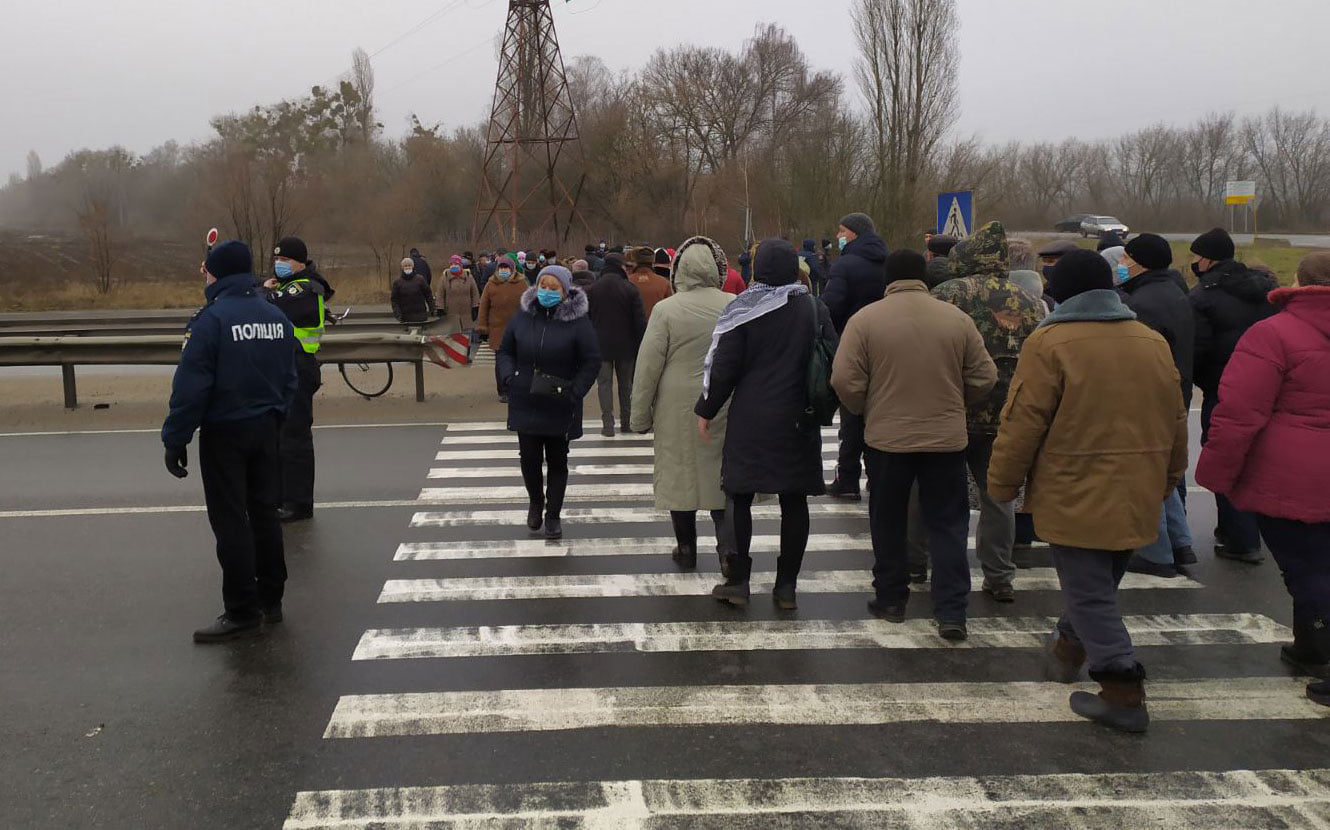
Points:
x=458 y=296
x=667 y=384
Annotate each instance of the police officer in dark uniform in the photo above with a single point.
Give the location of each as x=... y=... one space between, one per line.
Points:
x=302 y=294
x=234 y=383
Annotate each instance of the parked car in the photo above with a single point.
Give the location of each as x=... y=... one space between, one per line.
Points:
x=1096 y=225
x=1072 y=224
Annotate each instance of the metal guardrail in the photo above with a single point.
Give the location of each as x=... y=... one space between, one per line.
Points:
x=76 y=339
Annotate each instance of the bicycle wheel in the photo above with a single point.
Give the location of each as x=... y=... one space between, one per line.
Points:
x=369 y=380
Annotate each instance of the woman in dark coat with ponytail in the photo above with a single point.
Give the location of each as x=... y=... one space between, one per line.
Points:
x=759 y=357
x=548 y=361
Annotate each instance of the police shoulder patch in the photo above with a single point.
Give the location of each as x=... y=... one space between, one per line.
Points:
x=294 y=289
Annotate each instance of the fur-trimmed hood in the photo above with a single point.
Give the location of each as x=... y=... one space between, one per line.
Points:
x=573 y=307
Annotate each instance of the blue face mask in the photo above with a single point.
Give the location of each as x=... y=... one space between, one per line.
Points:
x=548 y=297
x=842 y=242
x=282 y=269
x=1123 y=274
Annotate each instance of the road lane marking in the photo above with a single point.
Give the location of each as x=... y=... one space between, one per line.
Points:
x=1163 y=800
x=636 y=491
x=512 y=470
x=600 y=586
x=615 y=515
x=843 y=704
x=621 y=546
x=157 y=430
x=775 y=635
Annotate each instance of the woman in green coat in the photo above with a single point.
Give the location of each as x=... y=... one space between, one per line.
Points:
x=667 y=384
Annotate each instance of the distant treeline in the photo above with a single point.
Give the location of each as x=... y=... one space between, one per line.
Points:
x=688 y=143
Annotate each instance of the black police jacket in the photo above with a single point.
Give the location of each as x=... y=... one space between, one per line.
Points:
x=238 y=362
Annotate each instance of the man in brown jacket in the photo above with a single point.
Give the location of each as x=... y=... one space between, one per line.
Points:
x=910 y=364
x=653 y=286
x=1095 y=422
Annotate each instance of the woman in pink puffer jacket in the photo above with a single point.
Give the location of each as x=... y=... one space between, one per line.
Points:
x=1269 y=452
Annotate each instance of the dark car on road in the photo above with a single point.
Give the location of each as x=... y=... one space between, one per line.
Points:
x=1072 y=224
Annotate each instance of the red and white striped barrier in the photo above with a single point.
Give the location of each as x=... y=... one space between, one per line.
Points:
x=450 y=350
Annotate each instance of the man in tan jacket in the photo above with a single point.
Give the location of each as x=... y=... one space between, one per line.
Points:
x=910 y=364
x=653 y=286
x=1095 y=422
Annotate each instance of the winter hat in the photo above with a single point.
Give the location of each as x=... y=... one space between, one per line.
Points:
x=563 y=275
x=941 y=244
x=1113 y=256
x=663 y=256
x=1109 y=239
x=408 y=262
x=859 y=223
x=228 y=259
x=644 y=257
x=1078 y=272
x=291 y=248
x=580 y=265
x=454 y=260
x=521 y=256
x=905 y=264
x=776 y=263
x=1151 y=251
x=590 y=249
x=985 y=254
x=1314 y=270
x=1058 y=249
x=1214 y=244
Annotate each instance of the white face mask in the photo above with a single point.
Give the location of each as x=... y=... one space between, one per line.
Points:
x=408 y=271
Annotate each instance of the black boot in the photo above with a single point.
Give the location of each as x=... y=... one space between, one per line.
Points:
x=735 y=588
x=1120 y=704
x=1303 y=654
x=224 y=630
x=844 y=489
x=534 y=516
x=685 y=556
x=292 y=512
x=685 y=534
x=553 y=526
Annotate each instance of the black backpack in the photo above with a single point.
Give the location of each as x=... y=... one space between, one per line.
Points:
x=822 y=400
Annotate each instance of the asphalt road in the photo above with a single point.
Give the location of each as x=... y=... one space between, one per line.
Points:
x=437 y=664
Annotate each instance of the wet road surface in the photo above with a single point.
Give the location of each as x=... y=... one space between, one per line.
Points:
x=438 y=664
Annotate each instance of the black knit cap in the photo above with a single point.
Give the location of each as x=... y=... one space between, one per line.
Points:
x=905 y=264
x=859 y=223
x=941 y=244
x=292 y=248
x=776 y=263
x=1151 y=250
x=228 y=259
x=1214 y=244
x=1077 y=273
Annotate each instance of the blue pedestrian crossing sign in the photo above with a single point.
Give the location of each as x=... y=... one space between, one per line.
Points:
x=955 y=213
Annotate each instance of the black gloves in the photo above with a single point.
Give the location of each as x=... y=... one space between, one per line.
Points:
x=176 y=461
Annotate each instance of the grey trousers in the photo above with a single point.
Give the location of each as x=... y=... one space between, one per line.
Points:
x=997 y=521
x=609 y=370
x=1092 y=617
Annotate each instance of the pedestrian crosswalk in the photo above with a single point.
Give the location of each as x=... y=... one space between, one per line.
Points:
x=506 y=680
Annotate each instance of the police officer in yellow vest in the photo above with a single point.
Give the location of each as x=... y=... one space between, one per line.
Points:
x=303 y=294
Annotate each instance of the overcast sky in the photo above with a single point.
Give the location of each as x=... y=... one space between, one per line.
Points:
x=94 y=73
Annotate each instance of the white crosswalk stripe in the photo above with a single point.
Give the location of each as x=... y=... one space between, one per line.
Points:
x=769 y=635
x=474 y=563
x=586 y=586
x=541 y=710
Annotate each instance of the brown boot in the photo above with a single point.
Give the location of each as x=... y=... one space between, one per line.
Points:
x=1120 y=703
x=1064 y=662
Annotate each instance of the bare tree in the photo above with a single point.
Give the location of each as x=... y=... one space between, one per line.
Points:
x=34 y=166
x=906 y=70
x=99 y=179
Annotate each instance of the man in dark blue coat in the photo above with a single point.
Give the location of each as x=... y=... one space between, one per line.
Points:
x=858 y=278
x=234 y=384
x=816 y=276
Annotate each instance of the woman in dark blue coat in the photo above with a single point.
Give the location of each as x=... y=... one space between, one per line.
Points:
x=759 y=362
x=548 y=361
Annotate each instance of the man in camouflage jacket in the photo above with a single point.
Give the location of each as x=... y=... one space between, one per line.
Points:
x=1005 y=315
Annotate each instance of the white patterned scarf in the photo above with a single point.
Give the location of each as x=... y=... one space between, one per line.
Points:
x=758 y=301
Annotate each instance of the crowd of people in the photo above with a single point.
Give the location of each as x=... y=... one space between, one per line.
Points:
x=1047 y=390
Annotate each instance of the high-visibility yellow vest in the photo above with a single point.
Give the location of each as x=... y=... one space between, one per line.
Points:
x=310 y=338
